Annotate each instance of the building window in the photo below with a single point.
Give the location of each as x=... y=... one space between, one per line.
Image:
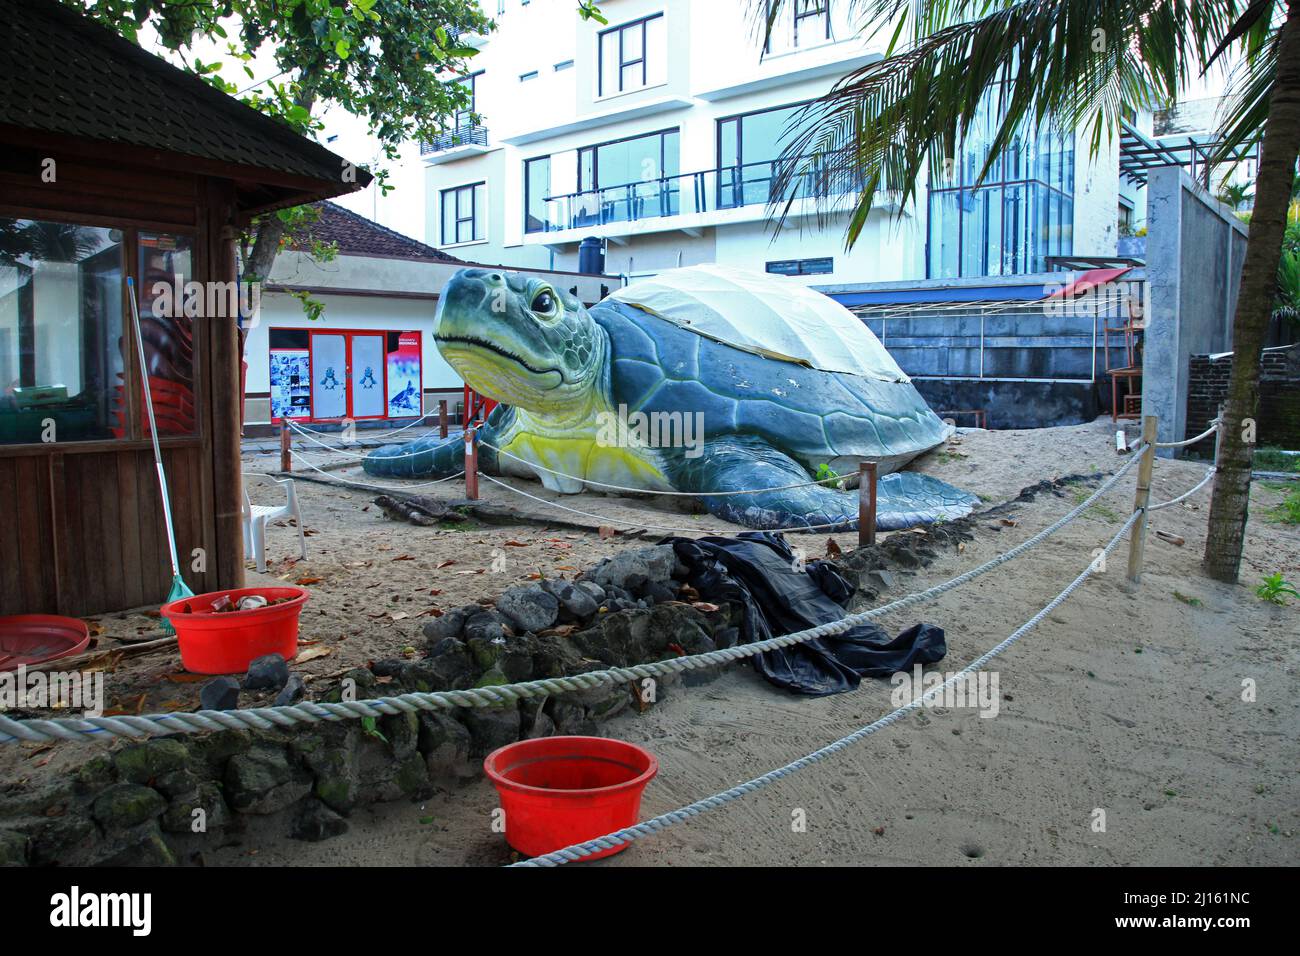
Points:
x=812 y=21
x=463 y=211
x=1020 y=214
x=626 y=180
x=748 y=149
x=802 y=267
x=563 y=65
x=467 y=116
x=632 y=56
x=537 y=189
x=525 y=77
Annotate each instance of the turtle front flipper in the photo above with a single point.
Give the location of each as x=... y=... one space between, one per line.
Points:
x=434 y=457
x=744 y=463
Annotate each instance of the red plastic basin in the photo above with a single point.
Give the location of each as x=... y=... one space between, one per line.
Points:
x=226 y=642
x=30 y=639
x=557 y=791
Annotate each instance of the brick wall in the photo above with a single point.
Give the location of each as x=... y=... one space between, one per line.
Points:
x=1279 y=397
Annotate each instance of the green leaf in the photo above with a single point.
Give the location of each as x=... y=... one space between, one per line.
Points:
x=341 y=47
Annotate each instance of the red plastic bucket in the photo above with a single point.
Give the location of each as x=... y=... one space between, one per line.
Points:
x=557 y=791
x=226 y=642
x=30 y=639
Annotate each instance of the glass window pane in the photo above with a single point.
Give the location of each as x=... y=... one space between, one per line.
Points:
x=537 y=186
x=61 y=332
x=165 y=262
x=656 y=51
x=945 y=223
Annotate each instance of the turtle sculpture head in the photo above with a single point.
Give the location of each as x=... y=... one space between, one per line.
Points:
x=519 y=340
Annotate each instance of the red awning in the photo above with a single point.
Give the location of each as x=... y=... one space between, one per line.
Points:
x=1087 y=281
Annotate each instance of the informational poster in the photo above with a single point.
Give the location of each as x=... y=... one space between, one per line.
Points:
x=404 y=383
x=329 y=360
x=290 y=384
x=367 y=375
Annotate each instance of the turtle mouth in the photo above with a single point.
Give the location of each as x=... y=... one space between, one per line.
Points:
x=477 y=343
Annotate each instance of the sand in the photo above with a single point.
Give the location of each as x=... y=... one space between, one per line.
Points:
x=1128 y=703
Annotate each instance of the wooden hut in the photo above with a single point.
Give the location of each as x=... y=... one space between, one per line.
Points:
x=113 y=163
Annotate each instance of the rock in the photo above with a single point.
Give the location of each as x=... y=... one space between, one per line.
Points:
x=200 y=811
x=267 y=673
x=213 y=750
x=316 y=822
x=543 y=726
x=555 y=656
x=141 y=763
x=491 y=727
x=219 y=694
x=125 y=805
x=569 y=716
x=486 y=627
x=451 y=670
x=62 y=841
x=291 y=693
x=529 y=608
x=592 y=590
x=631 y=570
x=175 y=783
x=94 y=775
x=261 y=781
x=879 y=580
x=330 y=753
x=445 y=744
x=142 y=847
x=656 y=592
x=485 y=651
x=617 y=639
x=448 y=645
x=449 y=625
x=13 y=848
x=575 y=603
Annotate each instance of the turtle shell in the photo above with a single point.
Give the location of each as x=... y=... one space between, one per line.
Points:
x=816 y=415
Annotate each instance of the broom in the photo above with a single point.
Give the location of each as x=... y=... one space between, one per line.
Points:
x=179 y=588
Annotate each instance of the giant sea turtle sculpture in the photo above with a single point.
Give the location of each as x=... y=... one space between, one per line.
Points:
x=701 y=380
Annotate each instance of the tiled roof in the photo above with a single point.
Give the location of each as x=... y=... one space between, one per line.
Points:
x=66 y=74
x=358 y=236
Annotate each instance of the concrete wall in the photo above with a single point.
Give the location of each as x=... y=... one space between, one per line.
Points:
x=1195 y=248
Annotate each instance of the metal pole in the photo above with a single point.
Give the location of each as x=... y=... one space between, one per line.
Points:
x=471 y=464
x=286 y=448
x=1137 y=536
x=866 y=503
x=442 y=418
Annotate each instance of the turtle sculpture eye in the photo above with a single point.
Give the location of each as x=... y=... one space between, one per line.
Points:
x=544 y=302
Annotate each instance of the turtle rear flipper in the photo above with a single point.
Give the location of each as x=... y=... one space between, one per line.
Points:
x=743 y=463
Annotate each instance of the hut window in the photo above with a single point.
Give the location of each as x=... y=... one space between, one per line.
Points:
x=61 y=342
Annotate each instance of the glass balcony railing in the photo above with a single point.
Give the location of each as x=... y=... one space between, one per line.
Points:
x=461 y=136
x=730 y=187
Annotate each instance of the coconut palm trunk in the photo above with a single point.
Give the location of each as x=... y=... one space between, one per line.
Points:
x=1229 y=506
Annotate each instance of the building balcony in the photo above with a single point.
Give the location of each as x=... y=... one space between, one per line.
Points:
x=689 y=202
x=455 y=144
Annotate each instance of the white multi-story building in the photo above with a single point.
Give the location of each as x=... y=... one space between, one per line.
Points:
x=657 y=134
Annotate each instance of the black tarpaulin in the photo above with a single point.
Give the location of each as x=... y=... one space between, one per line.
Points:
x=758 y=570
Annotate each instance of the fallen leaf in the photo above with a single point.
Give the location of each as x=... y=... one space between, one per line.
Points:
x=605 y=531
x=399 y=616
x=304 y=582
x=312 y=653
x=403 y=557
x=445 y=564
x=94 y=628
x=564 y=567
x=1008 y=522
x=516 y=544
x=431 y=612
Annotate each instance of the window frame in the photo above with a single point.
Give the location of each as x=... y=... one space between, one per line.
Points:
x=822 y=10
x=623 y=64
x=545 y=227
x=136 y=432
x=457 y=219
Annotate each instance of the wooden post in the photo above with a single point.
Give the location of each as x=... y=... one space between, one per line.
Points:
x=1138 y=533
x=442 y=418
x=866 y=503
x=286 y=447
x=471 y=464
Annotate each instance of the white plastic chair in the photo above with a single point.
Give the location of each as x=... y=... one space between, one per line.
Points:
x=257 y=516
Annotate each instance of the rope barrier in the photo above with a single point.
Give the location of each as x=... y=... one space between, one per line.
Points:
x=293 y=716
x=643 y=491
x=625 y=836
x=1214 y=426
x=1209 y=474
x=604 y=519
x=397 y=488
x=391 y=431
x=349 y=454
